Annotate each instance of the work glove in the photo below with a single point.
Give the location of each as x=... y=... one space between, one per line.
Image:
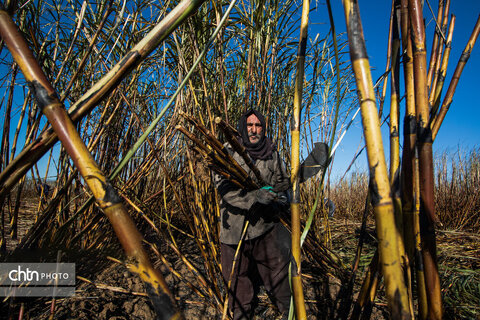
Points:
x=282 y=199
x=264 y=196
x=282 y=186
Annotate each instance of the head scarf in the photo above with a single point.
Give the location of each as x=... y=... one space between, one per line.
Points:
x=262 y=149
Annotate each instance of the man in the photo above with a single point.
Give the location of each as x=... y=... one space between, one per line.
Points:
x=266 y=246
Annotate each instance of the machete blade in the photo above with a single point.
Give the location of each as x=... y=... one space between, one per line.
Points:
x=316 y=160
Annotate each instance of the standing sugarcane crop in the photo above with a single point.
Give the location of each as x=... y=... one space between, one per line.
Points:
x=32 y=152
x=105 y=195
x=387 y=232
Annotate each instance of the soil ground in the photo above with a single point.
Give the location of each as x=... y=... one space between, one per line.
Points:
x=106 y=290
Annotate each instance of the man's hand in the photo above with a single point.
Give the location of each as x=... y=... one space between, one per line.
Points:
x=264 y=196
x=282 y=186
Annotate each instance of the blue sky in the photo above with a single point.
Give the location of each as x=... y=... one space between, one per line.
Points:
x=461 y=125
x=460 y=128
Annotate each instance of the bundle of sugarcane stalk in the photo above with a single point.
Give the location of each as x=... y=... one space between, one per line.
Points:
x=217 y=155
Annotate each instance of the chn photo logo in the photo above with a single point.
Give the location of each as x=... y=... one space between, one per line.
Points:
x=37 y=279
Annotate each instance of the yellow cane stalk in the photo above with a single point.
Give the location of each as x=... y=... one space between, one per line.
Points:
x=434 y=99
x=367 y=292
x=428 y=217
x=394 y=107
x=395 y=126
x=298 y=297
x=105 y=195
x=435 y=46
x=419 y=268
x=387 y=232
x=410 y=166
x=437 y=54
x=455 y=78
x=395 y=142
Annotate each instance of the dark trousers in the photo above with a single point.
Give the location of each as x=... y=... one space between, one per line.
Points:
x=269 y=255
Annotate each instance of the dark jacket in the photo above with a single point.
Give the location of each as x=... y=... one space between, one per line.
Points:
x=238 y=204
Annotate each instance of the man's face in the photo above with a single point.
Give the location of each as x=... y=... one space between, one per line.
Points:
x=254 y=128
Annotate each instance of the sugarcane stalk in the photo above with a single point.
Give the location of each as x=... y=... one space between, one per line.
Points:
x=428 y=217
x=387 y=232
x=221 y=154
x=177 y=274
x=418 y=252
x=356 y=260
x=19 y=126
x=5 y=147
x=201 y=74
x=207 y=230
x=387 y=65
x=111 y=288
x=14 y=218
x=394 y=104
x=80 y=19
x=244 y=182
x=234 y=264
x=183 y=210
x=202 y=221
x=447 y=100
x=40 y=224
x=337 y=72
x=409 y=140
x=86 y=55
x=361 y=237
x=368 y=290
x=395 y=182
x=14 y=222
x=87 y=228
x=229 y=164
x=296 y=267
x=201 y=279
x=3 y=240
x=371 y=295
x=211 y=139
x=431 y=89
x=105 y=194
x=435 y=46
x=226 y=175
x=395 y=123
x=434 y=99
x=220 y=62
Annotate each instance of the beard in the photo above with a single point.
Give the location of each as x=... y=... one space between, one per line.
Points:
x=256 y=137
